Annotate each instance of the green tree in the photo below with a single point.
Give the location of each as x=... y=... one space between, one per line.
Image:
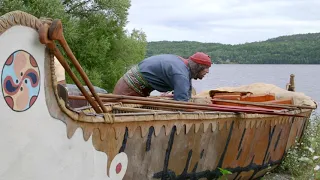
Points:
x=95 y=33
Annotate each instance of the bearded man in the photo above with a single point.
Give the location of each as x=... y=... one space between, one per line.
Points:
x=164 y=72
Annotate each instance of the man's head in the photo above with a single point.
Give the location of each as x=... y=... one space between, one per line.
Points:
x=199 y=64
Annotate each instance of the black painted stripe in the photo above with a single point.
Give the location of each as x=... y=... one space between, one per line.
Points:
x=168 y=152
x=304 y=127
x=239 y=153
x=201 y=154
x=252 y=159
x=278 y=139
x=292 y=119
x=267 y=153
x=267 y=157
x=194 y=174
x=226 y=146
x=124 y=142
x=235 y=178
x=284 y=151
x=184 y=174
x=148 y=143
x=185 y=170
x=271 y=132
x=244 y=131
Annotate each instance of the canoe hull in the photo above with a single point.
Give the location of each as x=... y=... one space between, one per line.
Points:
x=248 y=147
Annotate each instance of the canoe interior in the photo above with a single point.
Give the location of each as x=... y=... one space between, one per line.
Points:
x=83 y=105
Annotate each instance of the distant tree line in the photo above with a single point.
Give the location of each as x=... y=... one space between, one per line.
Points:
x=294 y=49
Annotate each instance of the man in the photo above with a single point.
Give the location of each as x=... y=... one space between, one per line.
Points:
x=165 y=72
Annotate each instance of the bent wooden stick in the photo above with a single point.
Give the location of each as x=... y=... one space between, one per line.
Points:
x=196 y=104
x=56 y=33
x=176 y=102
x=264 y=104
x=130 y=109
x=189 y=107
x=43 y=33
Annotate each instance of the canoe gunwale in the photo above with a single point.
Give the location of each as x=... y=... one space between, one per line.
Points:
x=159 y=116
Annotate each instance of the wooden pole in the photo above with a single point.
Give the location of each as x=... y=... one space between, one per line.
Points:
x=292 y=85
x=136 y=109
x=56 y=33
x=264 y=104
x=43 y=33
x=191 y=103
x=164 y=102
x=194 y=106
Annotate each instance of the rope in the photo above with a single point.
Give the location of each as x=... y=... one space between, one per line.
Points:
x=14 y=18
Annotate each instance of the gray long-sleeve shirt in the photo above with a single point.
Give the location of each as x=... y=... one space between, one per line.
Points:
x=167 y=72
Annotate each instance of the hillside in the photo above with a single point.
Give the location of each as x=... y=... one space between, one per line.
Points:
x=293 y=49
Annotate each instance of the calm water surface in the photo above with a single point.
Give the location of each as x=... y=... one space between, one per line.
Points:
x=306 y=77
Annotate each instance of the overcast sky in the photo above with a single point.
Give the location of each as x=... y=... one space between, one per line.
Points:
x=223 y=21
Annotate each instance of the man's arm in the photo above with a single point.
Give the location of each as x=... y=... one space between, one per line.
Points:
x=181 y=88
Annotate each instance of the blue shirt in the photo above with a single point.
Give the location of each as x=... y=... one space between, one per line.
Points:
x=167 y=72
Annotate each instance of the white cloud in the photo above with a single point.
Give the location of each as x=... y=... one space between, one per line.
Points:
x=223 y=21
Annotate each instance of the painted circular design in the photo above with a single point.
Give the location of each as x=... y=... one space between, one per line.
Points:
x=118 y=166
x=20 y=80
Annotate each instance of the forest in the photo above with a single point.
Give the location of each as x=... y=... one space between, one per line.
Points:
x=293 y=49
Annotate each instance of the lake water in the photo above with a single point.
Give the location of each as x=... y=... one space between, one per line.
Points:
x=306 y=77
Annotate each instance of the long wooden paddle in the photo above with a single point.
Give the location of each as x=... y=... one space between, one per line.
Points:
x=56 y=33
x=261 y=104
x=43 y=37
x=181 y=102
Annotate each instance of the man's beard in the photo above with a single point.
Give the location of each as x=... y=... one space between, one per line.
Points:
x=200 y=77
x=195 y=70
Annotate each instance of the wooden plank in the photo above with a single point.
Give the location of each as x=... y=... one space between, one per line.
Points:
x=258 y=98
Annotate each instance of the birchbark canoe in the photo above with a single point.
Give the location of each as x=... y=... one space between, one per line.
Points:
x=44 y=137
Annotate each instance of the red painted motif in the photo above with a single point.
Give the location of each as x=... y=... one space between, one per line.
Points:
x=118 y=168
